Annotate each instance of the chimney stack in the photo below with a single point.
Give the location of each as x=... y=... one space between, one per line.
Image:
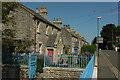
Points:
x=67 y=27
x=73 y=30
x=58 y=22
x=76 y=33
x=36 y=9
x=64 y=25
x=43 y=12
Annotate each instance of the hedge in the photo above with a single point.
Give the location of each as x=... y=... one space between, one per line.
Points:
x=88 y=48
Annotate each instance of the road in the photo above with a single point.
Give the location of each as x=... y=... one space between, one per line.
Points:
x=108 y=65
x=114 y=57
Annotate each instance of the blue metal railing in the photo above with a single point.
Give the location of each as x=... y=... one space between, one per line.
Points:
x=15 y=58
x=88 y=72
x=66 y=61
x=21 y=58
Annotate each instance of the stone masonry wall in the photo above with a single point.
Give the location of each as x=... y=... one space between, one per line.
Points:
x=24 y=72
x=67 y=39
x=15 y=72
x=24 y=24
x=54 y=72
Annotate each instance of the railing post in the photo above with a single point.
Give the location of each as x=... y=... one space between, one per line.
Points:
x=29 y=65
x=57 y=60
x=70 y=60
x=81 y=61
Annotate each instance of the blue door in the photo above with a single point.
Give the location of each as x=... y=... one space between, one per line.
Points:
x=75 y=51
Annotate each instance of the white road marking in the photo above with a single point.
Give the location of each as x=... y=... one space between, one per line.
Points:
x=108 y=55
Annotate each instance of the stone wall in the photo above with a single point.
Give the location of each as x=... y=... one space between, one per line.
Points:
x=23 y=23
x=59 y=42
x=67 y=40
x=15 y=72
x=24 y=72
x=54 y=72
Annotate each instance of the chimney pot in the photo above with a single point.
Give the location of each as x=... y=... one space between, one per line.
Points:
x=57 y=19
x=60 y=19
x=64 y=25
x=54 y=19
x=36 y=9
x=68 y=25
x=42 y=9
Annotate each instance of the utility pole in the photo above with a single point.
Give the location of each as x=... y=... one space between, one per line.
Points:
x=112 y=40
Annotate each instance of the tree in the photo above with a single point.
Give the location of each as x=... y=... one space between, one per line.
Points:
x=94 y=41
x=88 y=48
x=109 y=36
x=118 y=31
x=6 y=8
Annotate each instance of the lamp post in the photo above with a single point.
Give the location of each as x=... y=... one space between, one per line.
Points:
x=98 y=33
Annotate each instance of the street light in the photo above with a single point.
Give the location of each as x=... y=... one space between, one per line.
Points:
x=98 y=32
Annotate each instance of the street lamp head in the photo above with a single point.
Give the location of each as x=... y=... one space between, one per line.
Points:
x=99 y=17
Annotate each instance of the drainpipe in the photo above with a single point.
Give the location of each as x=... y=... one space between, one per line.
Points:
x=35 y=36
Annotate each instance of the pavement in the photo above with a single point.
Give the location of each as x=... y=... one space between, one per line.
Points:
x=108 y=65
x=95 y=72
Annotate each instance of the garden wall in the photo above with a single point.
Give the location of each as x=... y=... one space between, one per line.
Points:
x=58 y=73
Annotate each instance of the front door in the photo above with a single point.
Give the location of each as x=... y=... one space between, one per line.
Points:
x=50 y=54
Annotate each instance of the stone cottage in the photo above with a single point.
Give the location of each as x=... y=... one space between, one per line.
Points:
x=33 y=26
x=77 y=41
x=48 y=37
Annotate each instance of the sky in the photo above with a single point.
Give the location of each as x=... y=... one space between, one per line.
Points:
x=82 y=16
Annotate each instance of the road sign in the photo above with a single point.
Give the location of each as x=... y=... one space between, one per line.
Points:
x=100 y=40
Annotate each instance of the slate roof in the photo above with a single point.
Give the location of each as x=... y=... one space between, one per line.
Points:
x=51 y=40
x=37 y=15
